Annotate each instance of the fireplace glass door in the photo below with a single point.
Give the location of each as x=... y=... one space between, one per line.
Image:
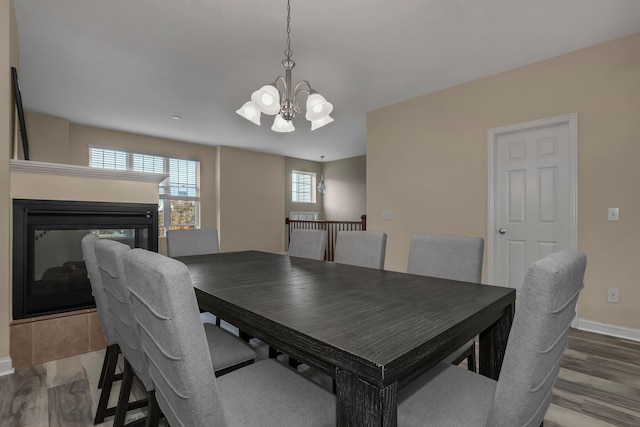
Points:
x=50 y=275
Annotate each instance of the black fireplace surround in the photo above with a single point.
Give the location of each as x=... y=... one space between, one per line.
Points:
x=49 y=274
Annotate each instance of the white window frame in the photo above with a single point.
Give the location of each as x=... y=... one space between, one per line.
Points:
x=312 y=192
x=164 y=199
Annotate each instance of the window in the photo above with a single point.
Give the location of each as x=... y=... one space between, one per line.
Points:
x=179 y=194
x=302 y=185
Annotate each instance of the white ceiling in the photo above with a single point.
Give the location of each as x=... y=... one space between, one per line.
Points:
x=132 y=64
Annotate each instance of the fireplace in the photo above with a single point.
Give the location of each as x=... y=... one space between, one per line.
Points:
x=49 y=274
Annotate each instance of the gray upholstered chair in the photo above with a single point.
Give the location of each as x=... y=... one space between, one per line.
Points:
x=200 y=241
x=446 y=256
x=361 y=248
x=449 y=396
x=228 y=353
x=449 y=257
x=262 y=394
x=109 y=258
x=107 y=375
x=308 y=244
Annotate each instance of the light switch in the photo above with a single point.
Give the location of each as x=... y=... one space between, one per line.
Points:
x=385 y=215
x=614 y=214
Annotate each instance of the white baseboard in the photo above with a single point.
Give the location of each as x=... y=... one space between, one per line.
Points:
x=612 y=330
x=6 y=367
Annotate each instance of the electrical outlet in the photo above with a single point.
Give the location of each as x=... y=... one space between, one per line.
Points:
x=613 y=295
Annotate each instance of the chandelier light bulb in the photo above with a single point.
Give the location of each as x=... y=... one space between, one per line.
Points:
x=317 y=107
x=270 y=94
x=267 y=99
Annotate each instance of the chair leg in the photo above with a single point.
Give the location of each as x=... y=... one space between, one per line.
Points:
x=153 y=416
x=470 y=355
x=293 y=363
x=140 y=422
x=103 y=372
x=471 y=362
x=109 y=369
x=123 y=399
x=273 y=353
x=244 y=336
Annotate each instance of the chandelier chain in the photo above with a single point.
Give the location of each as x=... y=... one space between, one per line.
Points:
x=288 y=52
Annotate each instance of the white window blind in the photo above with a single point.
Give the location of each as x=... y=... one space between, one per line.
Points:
x=183 y=179
x=147 y=163
x=107 y=159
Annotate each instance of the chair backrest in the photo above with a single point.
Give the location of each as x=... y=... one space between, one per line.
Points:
x=109 y=255
x=446 y=257
x=537 y=339
x=200 y=241
x=173 y=339
x=93 y=273
x=308 y=244
x=361 y=248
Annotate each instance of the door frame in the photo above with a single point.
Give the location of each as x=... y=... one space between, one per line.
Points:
x=572 y=121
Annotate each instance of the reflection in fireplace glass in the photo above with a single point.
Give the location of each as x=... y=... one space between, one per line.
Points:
x=59 y=268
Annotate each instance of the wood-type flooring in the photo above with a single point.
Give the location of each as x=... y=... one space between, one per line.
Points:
x=598 y=385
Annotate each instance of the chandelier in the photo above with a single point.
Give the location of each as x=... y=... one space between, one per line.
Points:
x=279 y=97
x=322 y=187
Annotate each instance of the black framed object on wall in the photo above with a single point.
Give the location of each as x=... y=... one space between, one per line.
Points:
x=21 y=122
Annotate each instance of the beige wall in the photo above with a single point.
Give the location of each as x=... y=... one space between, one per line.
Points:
x=251 y=200
x=48 y=138
x=291 y=164
x=8 y=58
x=346 y=181
x=427 y=162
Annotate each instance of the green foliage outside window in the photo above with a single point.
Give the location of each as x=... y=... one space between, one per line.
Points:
x=183 y=214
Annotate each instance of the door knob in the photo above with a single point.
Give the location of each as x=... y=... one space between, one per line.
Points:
x=502 y=230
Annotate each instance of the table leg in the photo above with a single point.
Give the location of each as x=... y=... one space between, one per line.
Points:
x=493 y=343
x=359 y=403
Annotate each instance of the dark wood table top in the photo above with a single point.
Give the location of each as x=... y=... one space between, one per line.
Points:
x=380 y=325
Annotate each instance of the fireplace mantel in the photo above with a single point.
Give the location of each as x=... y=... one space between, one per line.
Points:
x=55 y=181
x=30 y=166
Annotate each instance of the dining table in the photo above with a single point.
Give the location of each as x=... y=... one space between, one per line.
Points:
x=373 y=331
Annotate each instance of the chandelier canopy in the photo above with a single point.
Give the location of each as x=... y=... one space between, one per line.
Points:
x=279 y=98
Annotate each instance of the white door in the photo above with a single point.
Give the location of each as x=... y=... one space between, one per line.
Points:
x=533 y=195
